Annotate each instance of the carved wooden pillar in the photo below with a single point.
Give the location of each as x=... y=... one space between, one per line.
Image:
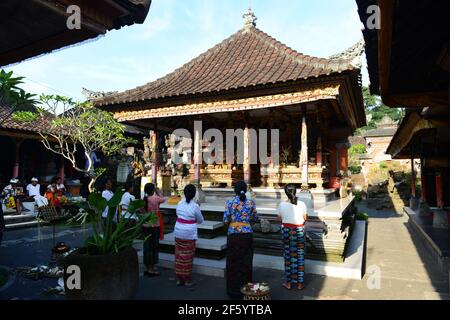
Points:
x=197 y=152
x=247 y=167
x=304 y=153
x=154 y=142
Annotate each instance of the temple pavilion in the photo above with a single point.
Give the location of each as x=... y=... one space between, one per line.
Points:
x=251 y=80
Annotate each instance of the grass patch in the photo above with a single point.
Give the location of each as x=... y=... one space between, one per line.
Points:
x=4 y=275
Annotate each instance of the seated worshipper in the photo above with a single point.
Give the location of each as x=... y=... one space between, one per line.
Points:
x=60 y=185
x=12 y=197
x=127 y=198
x=55 y=198
x=34 y=188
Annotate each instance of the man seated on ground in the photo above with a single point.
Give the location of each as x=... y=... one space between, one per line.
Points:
x=34 y=188
x=12 y=196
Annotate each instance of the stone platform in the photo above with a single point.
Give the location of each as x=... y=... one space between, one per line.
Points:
x=321 y=197
x=437 y=240
x=351 y=268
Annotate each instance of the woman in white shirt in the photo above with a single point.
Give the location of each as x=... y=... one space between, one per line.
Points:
x=107 y=194
x=293 y=216
x=188 y=216
x=127 y=198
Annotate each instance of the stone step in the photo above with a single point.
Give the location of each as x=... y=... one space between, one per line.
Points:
x=350 y=268
x=15 y=218
x=210 y=225
x=205 y=248
x=22 y=225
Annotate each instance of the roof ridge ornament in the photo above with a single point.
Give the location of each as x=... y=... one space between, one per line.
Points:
x=249 y=19
x=352 y=54
x=93 y=95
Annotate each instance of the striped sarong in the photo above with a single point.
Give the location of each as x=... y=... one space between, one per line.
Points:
x=184 y=256
x=294 y=254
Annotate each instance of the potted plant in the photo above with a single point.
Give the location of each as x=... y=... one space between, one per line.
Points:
x=107 y=263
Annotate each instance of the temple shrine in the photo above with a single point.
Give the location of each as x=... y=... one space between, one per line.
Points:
x=252 y=81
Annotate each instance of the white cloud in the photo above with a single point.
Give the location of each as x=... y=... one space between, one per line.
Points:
x=160 y=19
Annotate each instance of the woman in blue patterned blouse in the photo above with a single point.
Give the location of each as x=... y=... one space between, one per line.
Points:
x=239 y=213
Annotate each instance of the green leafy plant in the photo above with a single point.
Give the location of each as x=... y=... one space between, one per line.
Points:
x=362 y=216
x=357 y=195
x=357 y=149
x=110 y=236
x=24 y=116
x=383 y=165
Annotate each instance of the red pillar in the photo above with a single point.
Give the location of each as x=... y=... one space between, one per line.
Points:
x=319 y=152
x=334 y=181
x=62 y=172
x=15 y=172
x=439 y=193
x=343 y=159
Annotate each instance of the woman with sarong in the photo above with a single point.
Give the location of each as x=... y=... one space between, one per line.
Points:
x=293 y=216
x=154 y=232
x=188 y=216
x=239 y=213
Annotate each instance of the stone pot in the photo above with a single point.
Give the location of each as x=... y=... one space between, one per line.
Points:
x=103 y=277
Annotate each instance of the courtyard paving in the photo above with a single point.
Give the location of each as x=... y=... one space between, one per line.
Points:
x=394 y=252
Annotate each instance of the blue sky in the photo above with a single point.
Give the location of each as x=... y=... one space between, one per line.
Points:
x=177 y=31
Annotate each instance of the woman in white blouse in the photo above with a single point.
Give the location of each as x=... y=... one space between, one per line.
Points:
x=293 y=215
x=188 y=216
x=127 y=198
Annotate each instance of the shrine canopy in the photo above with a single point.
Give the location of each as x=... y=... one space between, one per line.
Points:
x=250 y=72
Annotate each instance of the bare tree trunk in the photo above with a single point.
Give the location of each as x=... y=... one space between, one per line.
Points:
x=88 y=170
x=91 y=184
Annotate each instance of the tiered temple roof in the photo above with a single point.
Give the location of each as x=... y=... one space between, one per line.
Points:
x=248 y=59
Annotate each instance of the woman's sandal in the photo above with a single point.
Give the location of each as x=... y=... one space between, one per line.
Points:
x=151 y=273
x=300 y=286
x=287 y=286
